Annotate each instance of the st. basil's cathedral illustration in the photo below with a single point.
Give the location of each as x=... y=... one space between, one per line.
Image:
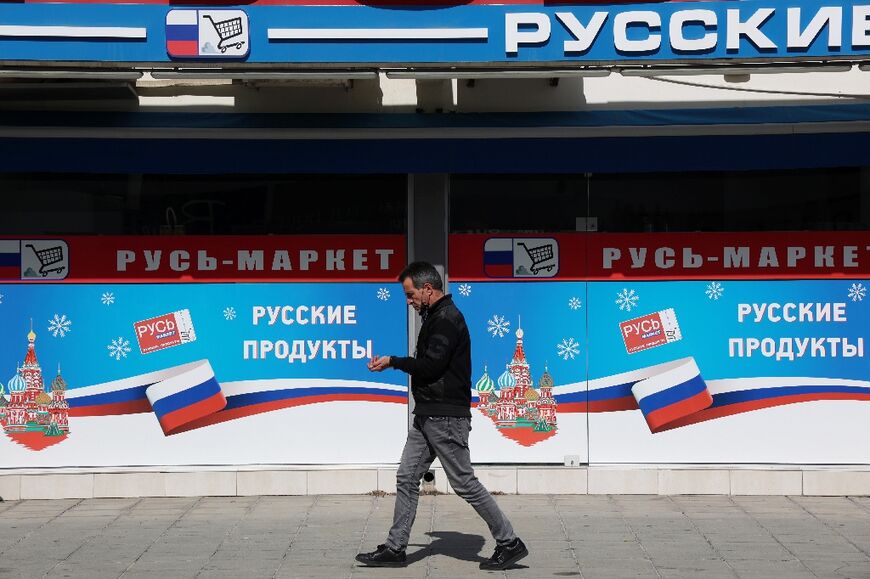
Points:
x=519 y=411
x=32 y=416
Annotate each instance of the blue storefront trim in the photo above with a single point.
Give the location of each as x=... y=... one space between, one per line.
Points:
x=202 y=156
x=697 y=117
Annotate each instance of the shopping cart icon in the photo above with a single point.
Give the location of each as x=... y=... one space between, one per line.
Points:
x=539 y=256
x=50 y=256
x=227 y=30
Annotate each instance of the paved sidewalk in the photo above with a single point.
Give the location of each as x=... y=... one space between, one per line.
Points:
x=317 y=536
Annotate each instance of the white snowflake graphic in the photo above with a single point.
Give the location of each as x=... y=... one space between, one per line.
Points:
x=575 y=303
x=857 y=292
x=119 y=348
x=230 y=313
x=107 y=298
x=59 y=325
x=465 y=289
x=627 y=299
x=1 y=298
x=383 y=294
x=567 y=349
x=715 y=290
x=498 y=326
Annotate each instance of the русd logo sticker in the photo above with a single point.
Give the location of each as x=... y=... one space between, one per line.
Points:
x=165 y=331
x=651 y=330
x=207 y=34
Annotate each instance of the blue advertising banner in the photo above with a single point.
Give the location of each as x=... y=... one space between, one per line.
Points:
x=503 y=34
x=145 y=374
x=674 y=371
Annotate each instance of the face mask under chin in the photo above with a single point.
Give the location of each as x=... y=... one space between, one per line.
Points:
x=424 y=310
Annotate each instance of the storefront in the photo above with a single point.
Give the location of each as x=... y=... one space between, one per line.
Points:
x=650 y=280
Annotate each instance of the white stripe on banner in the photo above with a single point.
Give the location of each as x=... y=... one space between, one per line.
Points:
x=251 y=386
x=197 y=374
x=378 y=33
x=635 y=375
x=23 y=31
x=747 y=384
x=10 y=246
x=230 y=388
x=182 y=17
x=683 y=371
x=133 y=382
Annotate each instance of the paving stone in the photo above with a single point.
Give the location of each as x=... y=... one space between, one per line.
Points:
x=308 y=536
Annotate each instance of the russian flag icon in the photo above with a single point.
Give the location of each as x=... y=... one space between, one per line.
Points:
x=190 y=395
x=498 y=257
x=10 y=259
x=671 y=395
x=182 y=33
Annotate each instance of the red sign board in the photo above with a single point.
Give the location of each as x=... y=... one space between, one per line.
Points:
x=205 y=258
x=567 y=256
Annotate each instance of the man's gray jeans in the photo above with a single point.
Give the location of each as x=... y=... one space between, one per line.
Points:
x=447 y=438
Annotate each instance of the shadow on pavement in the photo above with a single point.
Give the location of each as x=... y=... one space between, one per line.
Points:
x=461 y=546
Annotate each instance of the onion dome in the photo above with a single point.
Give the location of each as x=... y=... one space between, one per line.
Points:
x=485 y=384
x=546 y=380
x=43 y=398
x=532 y=395
x=506 y=380
x=17 y=384
x=58 y=384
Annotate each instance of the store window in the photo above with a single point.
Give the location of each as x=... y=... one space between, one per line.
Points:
x=793 y=200
x=516 y=203
x=788 y=200
x=112 y=204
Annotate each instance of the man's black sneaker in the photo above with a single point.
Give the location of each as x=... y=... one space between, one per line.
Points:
x=505 y=556
x=383 y=557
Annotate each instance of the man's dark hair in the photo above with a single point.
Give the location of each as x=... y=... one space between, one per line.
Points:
x=422 y=272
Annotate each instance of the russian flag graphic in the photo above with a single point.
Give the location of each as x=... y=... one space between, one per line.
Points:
x=182 y=33
x=186 y=397
x=671 y=395
x=10 y=259
x=498 y=257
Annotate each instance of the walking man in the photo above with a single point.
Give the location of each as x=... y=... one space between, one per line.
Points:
x=441 y=384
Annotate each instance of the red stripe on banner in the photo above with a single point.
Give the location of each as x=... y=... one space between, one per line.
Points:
x=182 y=47
x=571 y=408
x=172 y=420
x=741 y=407
x=280 y=404
x=614 y=405
x=115 y=409
x=10 y=272
x=499 y=270
x=659 y=418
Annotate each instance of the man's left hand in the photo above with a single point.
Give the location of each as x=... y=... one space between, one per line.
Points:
x=379 y=363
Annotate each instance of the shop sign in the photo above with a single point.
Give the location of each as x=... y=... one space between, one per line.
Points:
x=505 y=34
x=203 y=258
x=660 y=255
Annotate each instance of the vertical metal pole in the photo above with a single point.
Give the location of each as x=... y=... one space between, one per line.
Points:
x=427 y=234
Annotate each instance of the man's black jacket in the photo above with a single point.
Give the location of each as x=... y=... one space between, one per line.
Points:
x=441 y=369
